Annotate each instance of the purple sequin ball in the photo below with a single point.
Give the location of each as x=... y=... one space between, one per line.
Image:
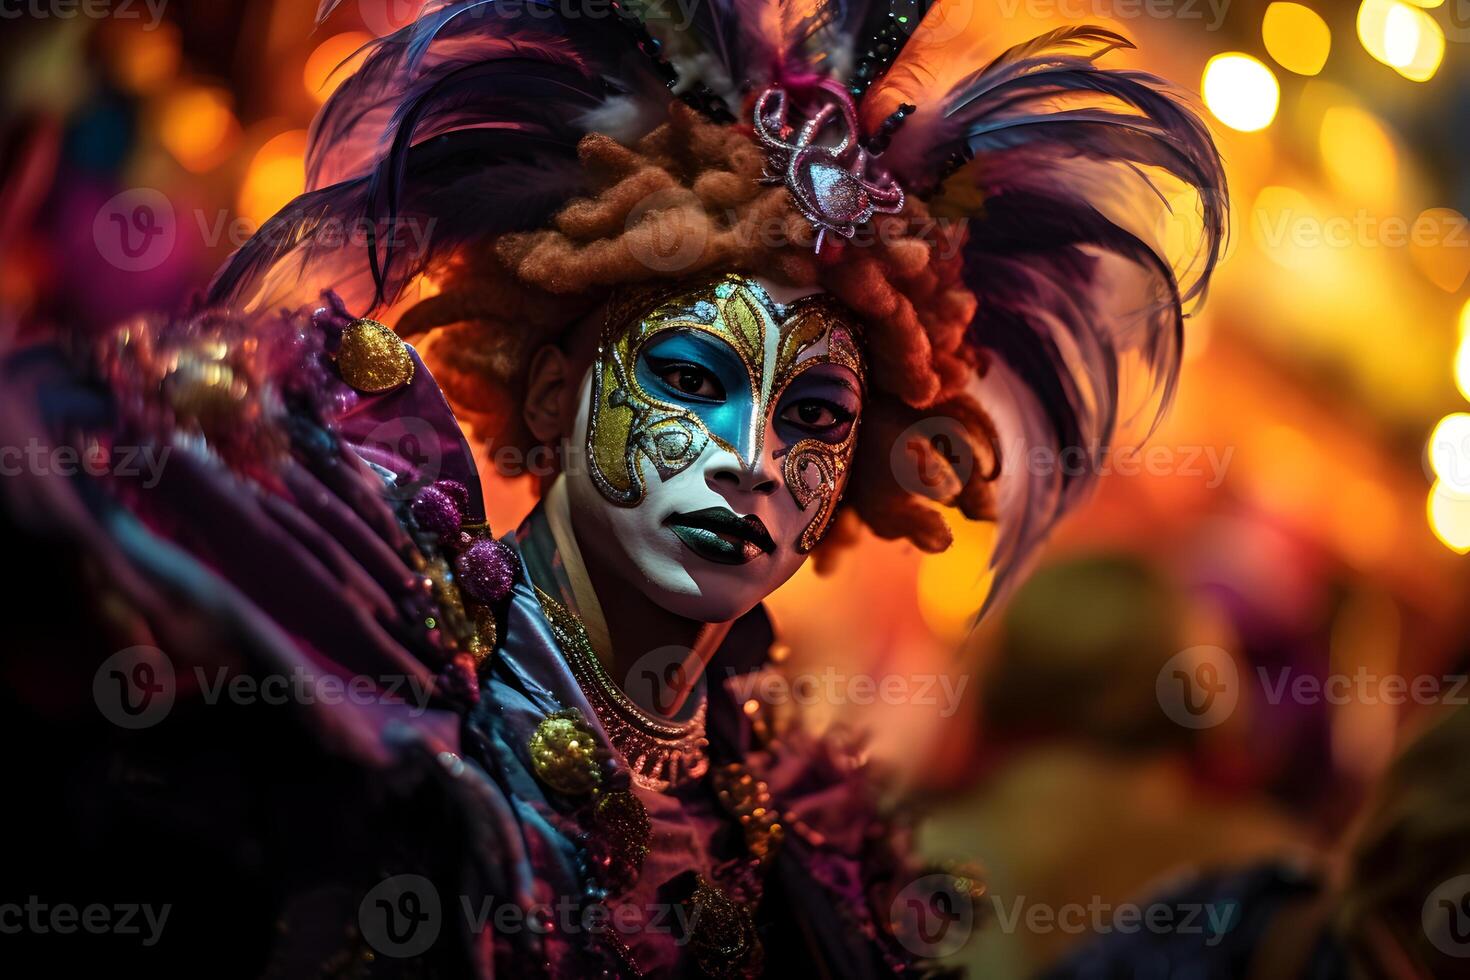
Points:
x=456 y=492
x=436 y=511
x=486 y=571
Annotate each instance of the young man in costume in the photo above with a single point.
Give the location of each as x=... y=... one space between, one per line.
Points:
x=721 y=272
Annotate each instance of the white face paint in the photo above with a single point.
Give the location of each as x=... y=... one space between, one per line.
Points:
x=712 y=442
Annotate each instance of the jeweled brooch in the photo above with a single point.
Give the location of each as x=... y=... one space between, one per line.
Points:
x=835 y=185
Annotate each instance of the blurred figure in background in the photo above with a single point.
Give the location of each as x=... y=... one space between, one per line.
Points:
x=1089 y=795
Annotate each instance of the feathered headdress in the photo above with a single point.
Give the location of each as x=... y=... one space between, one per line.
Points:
x=466 y=126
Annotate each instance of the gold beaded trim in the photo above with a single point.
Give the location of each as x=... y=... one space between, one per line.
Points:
x=660 y=753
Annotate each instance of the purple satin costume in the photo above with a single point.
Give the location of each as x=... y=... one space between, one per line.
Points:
x=278 y=538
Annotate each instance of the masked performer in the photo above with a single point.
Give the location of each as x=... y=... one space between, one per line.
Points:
x=709 y=277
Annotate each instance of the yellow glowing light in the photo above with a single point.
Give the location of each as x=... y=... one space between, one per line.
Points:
x=1465 y=319
x=1297 y=37
x=332 y=62
x=1449 y=452
x=1283 y=223
x=198 y=128
x=1437 y=246
x=1401 y=36
x=1462 y=363
x=1359 y=155
x=1449 y=517
x=951 y=584
x=276 y=175
x=1241 y=91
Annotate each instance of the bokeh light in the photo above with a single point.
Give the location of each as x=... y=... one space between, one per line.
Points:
x=142 y=61
x=1449 y=452
x=1359 y=156
x=1438 y=247
x=277 y=174
x=1241 y=91
x=1462 y=365
x=1401 y=36
x=332 y=62
x=1449 y=517
x=198 y=127
x=1297 y=37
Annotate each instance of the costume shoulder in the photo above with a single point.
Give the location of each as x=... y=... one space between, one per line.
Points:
x=237 y=638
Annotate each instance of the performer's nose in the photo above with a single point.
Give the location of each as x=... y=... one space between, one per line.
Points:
x=730 y=472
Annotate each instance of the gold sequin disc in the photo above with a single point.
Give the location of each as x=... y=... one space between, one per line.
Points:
x=372 y=358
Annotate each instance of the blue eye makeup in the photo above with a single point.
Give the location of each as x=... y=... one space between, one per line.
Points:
x=699 y=370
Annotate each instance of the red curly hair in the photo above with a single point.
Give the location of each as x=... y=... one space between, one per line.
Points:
x=686 y=200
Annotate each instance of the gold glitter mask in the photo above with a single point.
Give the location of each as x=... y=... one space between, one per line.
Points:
x=756 y=348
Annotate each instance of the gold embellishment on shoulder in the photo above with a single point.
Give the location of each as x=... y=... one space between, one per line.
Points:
x=565 y=754
x=660 y=753
x=372 y=358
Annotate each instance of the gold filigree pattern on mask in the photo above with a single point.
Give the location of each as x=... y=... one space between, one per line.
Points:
x=627 y=423
x=813 y=321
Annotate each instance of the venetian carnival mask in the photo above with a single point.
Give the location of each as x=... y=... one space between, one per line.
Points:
x=719 y=428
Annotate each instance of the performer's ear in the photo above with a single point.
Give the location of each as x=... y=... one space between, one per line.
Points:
x=551 y=405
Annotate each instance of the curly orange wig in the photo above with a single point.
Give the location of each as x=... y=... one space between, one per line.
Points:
x=687 y=200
